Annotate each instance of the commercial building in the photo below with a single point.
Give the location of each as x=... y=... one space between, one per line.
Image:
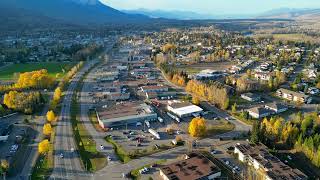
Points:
x=194 y=167
x=125 y=113
x=250 y=97
x=161 y=95
x=154 y=88
x=265 y=163
x=183 y=109
x=293 y=96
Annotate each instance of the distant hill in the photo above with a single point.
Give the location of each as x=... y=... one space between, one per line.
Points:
x=80 y=12
x=180 y=15
x=296 y=14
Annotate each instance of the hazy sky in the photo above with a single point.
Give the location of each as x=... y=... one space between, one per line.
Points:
x=214 y=6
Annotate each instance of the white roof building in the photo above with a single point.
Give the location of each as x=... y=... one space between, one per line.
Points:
x=183 y=109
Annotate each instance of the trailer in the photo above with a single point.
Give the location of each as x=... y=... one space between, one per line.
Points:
x=4 y=138
x=147 y=124
x=160 y=119
x=154 y=133
x=173 y=117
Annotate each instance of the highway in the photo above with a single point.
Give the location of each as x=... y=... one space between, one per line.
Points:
x=69 y=166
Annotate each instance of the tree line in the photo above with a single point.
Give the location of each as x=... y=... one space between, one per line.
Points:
x=26 y=102
x=31 y=80
x=302 y=133
x=213 y=92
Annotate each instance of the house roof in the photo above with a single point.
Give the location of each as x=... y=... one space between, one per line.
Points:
x=287 y=91
x=276 y=106
x=259 y=110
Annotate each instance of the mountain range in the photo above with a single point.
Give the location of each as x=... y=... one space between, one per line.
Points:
x=79 y=12
x=27 y=14
x=281 y=13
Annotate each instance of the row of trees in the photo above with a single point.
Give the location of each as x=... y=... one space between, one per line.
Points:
x=213 y=92
x=44 y=145
x=301 y=133
x=31 y=80
x=179 y=78
x=35 y=79
x=23 y=102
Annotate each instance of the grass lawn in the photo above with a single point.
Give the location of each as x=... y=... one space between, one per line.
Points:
x=120 y=152
x=7 y=72
x=221 y=128
x=238 y=100
x=91 y=158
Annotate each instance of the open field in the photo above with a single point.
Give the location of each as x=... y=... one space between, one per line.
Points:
x=290 y=37
x=196 y=68
x=7 y=72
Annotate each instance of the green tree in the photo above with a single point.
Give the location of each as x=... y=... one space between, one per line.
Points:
x=234 y=108
x=254 y=138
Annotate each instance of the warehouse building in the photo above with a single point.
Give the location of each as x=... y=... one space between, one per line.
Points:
x=195 y=166
x=125 y=113
x=183 y=109
x=147 y=89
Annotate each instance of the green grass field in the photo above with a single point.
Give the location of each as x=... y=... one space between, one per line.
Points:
x=7 y=72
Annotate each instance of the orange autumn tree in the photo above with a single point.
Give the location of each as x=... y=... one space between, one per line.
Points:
x=197 y=127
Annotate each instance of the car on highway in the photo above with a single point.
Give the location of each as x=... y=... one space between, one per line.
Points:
x=61 y=155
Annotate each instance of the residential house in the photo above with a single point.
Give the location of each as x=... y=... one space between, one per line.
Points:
x=293 y=96
x=251 y=97
x=259 y=112
x=276 y=107
x=265 y=164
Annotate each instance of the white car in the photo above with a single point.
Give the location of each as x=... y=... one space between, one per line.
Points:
x=109 y=158
x=101 y=147
x=61 y=155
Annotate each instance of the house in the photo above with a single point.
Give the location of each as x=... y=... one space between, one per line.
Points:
x=194 y=167
x=251 y=97
x=293 y=96
x=259 y=112
x=265 y=164
x=276 y=107
x=263 y=76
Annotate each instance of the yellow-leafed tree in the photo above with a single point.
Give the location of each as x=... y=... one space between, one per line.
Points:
x=43 y=146
x=195 y=100
x=47 y=129
x=51 y=117
x=197 y=127
x=4 y=165
x=57 y=94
